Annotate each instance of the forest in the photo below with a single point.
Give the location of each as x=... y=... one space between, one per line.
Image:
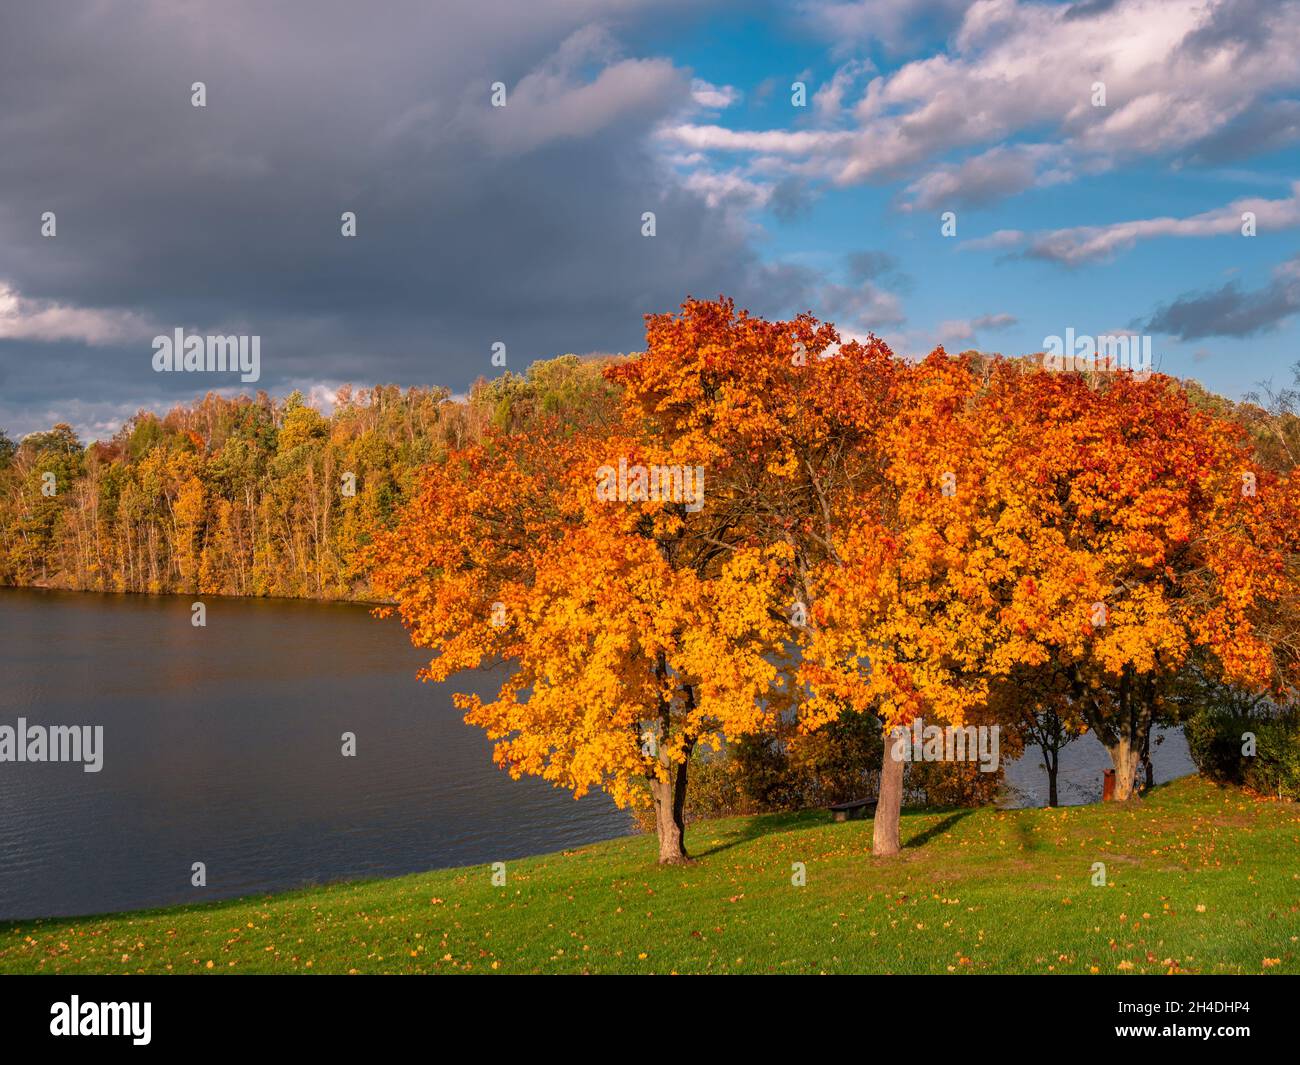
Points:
x=251 y=496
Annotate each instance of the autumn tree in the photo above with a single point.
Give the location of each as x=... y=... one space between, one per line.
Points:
x=903 y=602
x=630 y=637
x=1103 y=527
x=793 y=424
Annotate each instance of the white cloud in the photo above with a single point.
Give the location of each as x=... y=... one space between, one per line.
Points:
x=1002 y=238
x=555 y=102
x=1079 y=244
x=713 y=97
x=828 y=101
x=47 y=320
x=860 y=308
x=962 y=329
x=727 y=189
x=981 y=179
x=1174 y=75
x=773 y=141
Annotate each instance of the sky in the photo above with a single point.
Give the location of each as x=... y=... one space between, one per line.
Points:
x=977 y=175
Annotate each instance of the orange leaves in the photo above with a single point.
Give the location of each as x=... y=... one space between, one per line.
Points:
x=1022 y=507
x=937 y=527
x=633 y=626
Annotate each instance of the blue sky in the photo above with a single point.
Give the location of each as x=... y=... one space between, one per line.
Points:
x=521 y=224
x=951 y=283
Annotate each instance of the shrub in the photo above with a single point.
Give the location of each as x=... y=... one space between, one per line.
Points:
x=1215 y=740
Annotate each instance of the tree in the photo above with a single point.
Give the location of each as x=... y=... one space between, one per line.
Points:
x=790 y=422
x=903 y=601
x=1105 y=527
x=1156 y=512
x=630 y=639
x=1037 y=700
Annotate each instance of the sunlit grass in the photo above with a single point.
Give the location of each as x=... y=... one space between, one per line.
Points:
x=1199 y=880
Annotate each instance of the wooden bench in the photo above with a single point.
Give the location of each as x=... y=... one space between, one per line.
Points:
x=852 y=811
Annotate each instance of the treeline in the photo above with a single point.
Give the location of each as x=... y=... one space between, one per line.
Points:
x=250 y=496
x=246 y=496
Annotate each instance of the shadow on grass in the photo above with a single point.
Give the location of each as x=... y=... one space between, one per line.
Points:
x=937 y=829
x=761 y=825
x=755 y=828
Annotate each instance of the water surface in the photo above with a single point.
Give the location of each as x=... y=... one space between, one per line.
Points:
x=222 y=745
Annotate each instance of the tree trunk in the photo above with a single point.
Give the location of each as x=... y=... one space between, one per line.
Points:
x=884 y=840
x=1125 y=756
x=1052 y=799
x=670 y=814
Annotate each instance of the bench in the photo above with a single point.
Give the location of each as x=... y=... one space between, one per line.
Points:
x=852 y=811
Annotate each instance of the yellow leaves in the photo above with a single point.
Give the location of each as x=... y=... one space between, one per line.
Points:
x=949 y=524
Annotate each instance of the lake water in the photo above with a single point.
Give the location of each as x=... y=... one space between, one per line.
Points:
x=222 y=745
x=1083 y=761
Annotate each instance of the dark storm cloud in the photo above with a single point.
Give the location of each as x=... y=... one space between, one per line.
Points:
x=792 y=198
x=1088 y=9
x=475 y=224
x=1231 y=311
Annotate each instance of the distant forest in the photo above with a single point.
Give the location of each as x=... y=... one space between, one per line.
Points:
x=249 y=496
x=252 y=496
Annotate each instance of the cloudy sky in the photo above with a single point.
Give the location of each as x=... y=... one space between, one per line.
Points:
x=522 y=224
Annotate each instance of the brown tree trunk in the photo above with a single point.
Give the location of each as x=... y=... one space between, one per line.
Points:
x=884 y=839
x=1052 y=798
x=1125 y=757
x=670 y=814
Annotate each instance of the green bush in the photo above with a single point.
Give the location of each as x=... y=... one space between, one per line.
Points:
x=1216 y=740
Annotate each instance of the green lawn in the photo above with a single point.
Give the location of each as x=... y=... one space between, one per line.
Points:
x=1200 y=880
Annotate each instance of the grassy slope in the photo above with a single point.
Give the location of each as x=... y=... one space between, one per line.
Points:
x=1200 y=880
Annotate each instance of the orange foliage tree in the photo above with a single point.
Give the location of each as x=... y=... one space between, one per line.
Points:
x=630 y=636
x=1137 y=538
x=1101 y=535
x=796 y=426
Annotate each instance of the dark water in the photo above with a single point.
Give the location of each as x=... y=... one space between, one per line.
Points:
x=1083 y=761
x=222 y=745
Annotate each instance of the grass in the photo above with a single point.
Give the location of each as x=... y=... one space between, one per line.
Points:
x=1198 y=879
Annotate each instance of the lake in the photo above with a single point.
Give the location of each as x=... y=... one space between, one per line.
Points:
x=222 y=745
